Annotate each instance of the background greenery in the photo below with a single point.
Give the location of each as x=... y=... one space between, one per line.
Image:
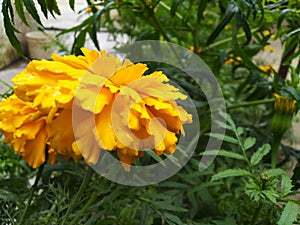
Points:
x=240 y=187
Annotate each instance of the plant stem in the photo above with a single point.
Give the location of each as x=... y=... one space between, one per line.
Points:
x=78 y=195
x=33 y=189
x=275 y=148
x=255 y=215
x=85 y=207
x=228 y=40
x=251 y=103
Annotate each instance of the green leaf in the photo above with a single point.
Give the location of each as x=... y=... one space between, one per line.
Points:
x=230 y=173
x=224 y=125
x=282 y=17
x=168 y=206
x=274 y=172
x=53 y=7
x=223 y=153
x=246 y=28
x=288 y=35
x=155 y=157
x=231 y=11
x=9 y=27
x=174 y=6
x=79 y=42
x=30 y=6
x=259 y=154
x=224 y=138
x=289 y=214
x=20 y=11
x=249 y=142
x=71 y=4
x=172 y=218
x=229 y=120
x=286 y=185
x=43 y=5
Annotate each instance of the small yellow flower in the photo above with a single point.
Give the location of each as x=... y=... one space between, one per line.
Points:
x=284 y=104
x=268 y=69
x=232 y=59
x=268 y=48
x=227 y=27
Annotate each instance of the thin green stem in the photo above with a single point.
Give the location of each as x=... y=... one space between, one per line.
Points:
x=85 y=207
x=244 y=151
x=275 y=149
x=251 y=103
x=78 y=195
x=33 y=189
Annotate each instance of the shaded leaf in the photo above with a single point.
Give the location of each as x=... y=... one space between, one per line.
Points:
x=289 y=214
x=249 y=142
x=174 y=6
x=71 y=4
x=30 y=6
x=224 y=138
x=231 y=173
x=223 y=153
x=20 y=11
x=286 y=185
x=43 y=5
x=9 y=27
x=231 y=11
x=260 y=153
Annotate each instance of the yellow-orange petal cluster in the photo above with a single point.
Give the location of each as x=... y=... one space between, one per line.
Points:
x=124 y=110
x=132 y=111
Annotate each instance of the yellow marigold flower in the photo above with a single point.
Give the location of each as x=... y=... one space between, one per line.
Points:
x=268 y=69
x=227 y=27
x=284 y=104
x=52 y=84
x=26 y=130
x=115 y=88
x=192 y=48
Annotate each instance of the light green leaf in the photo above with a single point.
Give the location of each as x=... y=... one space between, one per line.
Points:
x=289 y=214
x=230 y=173
x=223 y=153
x=274 y=172
x=249 y=142
x=260 y=153
x=224 y=138
x=286 y=185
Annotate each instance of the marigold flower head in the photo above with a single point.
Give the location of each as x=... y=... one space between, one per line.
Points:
x=124 y=110
x=126 y=105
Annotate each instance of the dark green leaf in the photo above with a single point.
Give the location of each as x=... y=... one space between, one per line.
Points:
x=172 y=218
x=53 y=7
x=282 y=17
x=288 y=35
x=79 y=43
x=289 y=214
x=43 y=5
x=246 y=29
x=260 y=153
x=174 y=6
x=223 y=153
x=20 y=11
x=9 y=27
x=30 y=6
x=230 y=13
x=249 y=142
x=168 y=206
x=230 y=173
x=71 y=4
